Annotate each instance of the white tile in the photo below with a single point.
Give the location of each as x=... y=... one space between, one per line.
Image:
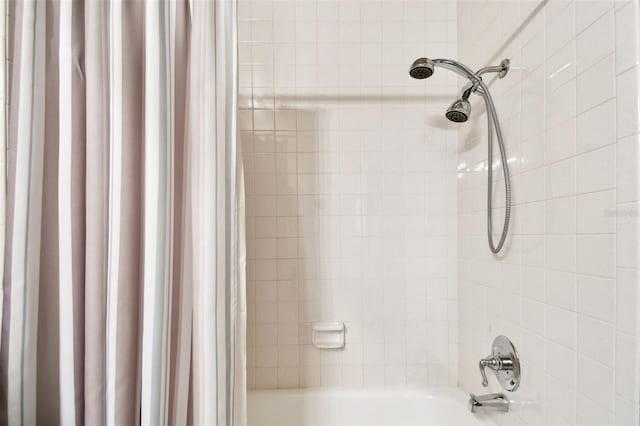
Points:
x=560 y=360
x=561 y=67
x=373 y=376
x=596 y=127
x=560 y=141
x=288 y=378
x=596 y=382
x=532 y=215
x=533 y=282
x=266 y=356
x=628 y=156
x=262 y=11
x=561 y=326
x=596 y=84
x=626 y=37
x=561 y=289
x=596 y=170
x=627 y=109
x=533 y=53
x=627 y=235
x=561 y=178
x=261 y=31
x=561 y=402
x=264 y=163
x=309 y=377
x=561 y=104
x=263 y=119
x=533 y=349
x=560 y=215
x=560 y=29
x=627 y=296
x=596 y=42
x=532 y=250
x=245 y=119
x=595 y=255
x=596 y=297
x=595 y=212
x=625 y=412
x=587 y=12
x=561 y=252
x=625 y=350
x=265 y=378
x=285 y=120
x=591 y=413
x=596 y=340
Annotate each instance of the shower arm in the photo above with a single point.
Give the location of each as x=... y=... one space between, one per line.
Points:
x=494 y=68
x=458 y=68
x=501 y=69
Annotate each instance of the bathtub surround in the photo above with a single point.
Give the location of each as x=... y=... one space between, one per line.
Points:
x=566 y=288
x=123 y=291
x=354 y=175
x=351 y=183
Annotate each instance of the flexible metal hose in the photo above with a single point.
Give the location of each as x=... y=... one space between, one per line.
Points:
x=492 y=121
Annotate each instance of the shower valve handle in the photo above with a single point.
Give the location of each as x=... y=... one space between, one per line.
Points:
x=496 y=363
x=505 y=363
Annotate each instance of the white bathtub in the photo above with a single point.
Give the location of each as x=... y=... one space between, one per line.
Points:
x=437 y=407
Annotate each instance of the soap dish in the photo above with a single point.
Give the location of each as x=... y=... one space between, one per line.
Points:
x=327 y=335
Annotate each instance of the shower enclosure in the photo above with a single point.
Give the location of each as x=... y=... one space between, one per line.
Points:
x=367 y=207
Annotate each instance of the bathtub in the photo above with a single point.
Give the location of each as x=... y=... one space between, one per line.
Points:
x=337 y=407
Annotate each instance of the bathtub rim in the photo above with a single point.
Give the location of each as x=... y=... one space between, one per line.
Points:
x=448 y=393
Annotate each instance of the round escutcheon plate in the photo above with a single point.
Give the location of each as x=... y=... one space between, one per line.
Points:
x=510 y=378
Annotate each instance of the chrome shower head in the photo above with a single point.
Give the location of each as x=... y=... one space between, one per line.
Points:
x=421 y=68
x=459 y=111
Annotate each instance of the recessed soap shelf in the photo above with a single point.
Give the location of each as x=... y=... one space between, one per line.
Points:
x=327 y=335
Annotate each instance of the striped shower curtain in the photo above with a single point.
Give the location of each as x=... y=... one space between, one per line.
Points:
x=123 y=290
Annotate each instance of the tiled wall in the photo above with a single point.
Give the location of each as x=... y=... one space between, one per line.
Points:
x=351 y=191
x=566 y=288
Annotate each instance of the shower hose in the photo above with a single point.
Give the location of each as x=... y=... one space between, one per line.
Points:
x=492 y=121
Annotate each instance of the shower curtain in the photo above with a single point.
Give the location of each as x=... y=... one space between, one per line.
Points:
x=123 y=291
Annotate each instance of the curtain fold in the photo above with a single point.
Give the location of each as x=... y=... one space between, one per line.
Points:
x=123 y=283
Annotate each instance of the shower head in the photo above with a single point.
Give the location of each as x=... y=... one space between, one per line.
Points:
x=460 y=110
x=421 y=68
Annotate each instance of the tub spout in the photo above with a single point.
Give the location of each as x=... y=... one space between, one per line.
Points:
x=496 y=401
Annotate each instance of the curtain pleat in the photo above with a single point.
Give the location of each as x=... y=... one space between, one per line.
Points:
x=129 y=281
x=23 y=238
x=203 y=168
x=78 y=202
x=52 y=350
x=123 y=299
x=96 y=71
x=180 y=333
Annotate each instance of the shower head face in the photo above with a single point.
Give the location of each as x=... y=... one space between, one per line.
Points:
x=421 y=68
x=459 y=111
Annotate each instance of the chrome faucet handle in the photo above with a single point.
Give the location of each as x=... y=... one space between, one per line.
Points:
x=493 y=362
x=504 y=362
